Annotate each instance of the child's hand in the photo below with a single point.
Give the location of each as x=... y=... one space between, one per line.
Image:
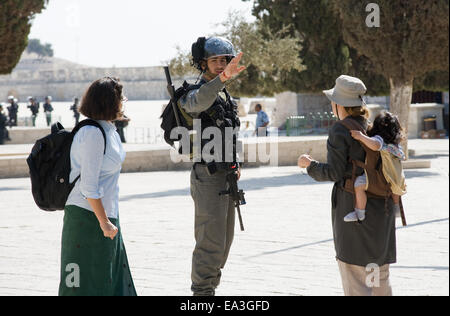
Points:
x=357 y=135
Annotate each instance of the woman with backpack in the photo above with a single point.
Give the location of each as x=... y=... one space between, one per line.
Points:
x=364 y=250
x=93 y=257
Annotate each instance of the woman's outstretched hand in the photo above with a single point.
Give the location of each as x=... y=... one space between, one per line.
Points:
x=305 y=161
x=233 y=69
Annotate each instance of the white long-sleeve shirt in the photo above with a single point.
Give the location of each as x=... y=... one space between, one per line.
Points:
x=99 y=172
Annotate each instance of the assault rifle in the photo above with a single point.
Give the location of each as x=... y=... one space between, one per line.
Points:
x=234 y=192
x=171 y=90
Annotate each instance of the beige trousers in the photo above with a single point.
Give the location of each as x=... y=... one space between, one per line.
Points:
x=362 y=281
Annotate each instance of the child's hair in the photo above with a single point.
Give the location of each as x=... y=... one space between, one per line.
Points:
x=358 y=111
x=388 y=127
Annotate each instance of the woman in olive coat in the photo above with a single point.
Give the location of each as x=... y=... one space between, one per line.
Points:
x=364 y=251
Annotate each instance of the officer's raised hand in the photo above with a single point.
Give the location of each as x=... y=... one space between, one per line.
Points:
x=233 y=69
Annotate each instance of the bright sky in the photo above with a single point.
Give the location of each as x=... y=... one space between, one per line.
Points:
x=131 y=33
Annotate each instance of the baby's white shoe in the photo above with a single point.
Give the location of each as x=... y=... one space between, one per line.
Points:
x=357 y=215
x=361 y=214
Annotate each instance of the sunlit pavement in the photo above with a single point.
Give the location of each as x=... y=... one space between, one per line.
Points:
x=287 y=248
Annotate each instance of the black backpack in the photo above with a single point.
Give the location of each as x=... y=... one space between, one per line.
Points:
x=50 y=166
x=168 y=117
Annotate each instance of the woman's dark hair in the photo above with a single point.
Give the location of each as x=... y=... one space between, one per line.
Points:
x=102 y=101
x=388 y=127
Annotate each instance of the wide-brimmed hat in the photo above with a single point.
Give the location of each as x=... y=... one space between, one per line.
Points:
x=348 y=92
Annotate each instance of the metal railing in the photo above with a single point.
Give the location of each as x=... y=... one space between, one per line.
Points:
x=310 y=124
x=144 y=135
x=27 y=121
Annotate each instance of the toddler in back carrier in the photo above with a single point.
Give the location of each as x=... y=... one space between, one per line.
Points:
x=384 y=136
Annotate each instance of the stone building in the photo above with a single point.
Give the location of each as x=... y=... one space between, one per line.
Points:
x=64 y=80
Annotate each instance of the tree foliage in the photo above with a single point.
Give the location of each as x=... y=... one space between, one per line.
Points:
x=412 y=39
x=324 y=52
x=268 y=56
x=411 y=42
x=15 y=24
x=43 y=50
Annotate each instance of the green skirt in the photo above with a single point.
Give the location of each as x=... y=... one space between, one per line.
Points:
x=92 y=265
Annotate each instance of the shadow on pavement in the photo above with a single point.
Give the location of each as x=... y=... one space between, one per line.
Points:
x=12 y=189
x=409 y=174
x=246 y=185
x=430 y=156
x=420 y=268
x=330 y=240
x=425 y=223
x=181 y=192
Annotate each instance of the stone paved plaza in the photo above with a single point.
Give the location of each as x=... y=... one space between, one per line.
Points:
x=287 y=247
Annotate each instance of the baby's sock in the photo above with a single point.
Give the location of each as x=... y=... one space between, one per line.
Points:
x=361 y=214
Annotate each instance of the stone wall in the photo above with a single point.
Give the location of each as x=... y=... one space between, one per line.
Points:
x=146 y=83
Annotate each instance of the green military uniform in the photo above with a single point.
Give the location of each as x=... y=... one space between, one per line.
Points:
x=214 y=228
x=214 y=213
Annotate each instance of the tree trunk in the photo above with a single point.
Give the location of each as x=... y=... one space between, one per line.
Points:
x=401 y=97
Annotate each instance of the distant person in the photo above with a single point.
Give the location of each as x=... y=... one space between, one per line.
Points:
x=121 y=123
x=262 y=121
x=3 y=122
x=34 y=108
x=48 y=109
x=76 y=113
x=13 y=108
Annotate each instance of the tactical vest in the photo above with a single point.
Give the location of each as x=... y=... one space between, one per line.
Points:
x=222 y=115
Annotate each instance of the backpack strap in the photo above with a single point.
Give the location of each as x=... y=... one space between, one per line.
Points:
x=349 y=184
x=89 y=122
x=352 y=125
x=402 y=212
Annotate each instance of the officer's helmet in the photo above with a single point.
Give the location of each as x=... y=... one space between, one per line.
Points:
x=218 y=46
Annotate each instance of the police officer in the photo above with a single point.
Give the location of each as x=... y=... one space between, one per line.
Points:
x=121 y=124
x=74 y=109
x=13 y=108
x=214 y=212
x=34 y=108
x=3 y=121
x=48 y=109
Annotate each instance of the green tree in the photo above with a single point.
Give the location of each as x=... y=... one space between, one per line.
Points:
x=15 y=24
x=324 y=52
x=411 y=42
x=268 y=56
x=43 y=50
